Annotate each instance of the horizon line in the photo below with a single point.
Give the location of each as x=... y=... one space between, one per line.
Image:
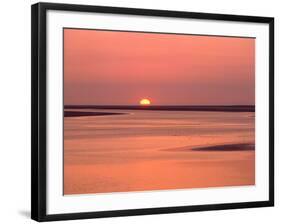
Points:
x=170 y=105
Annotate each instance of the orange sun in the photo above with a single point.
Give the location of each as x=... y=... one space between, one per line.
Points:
x=144 y=102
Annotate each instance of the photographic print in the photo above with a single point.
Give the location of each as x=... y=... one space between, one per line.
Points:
x=157 y=111
x=143 y=111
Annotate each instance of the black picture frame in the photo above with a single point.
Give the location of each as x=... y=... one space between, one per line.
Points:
x=38 y=108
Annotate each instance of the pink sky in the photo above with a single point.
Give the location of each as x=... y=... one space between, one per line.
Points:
x=120 y=68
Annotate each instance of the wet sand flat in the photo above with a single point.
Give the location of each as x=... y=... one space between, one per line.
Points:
x=143 y=150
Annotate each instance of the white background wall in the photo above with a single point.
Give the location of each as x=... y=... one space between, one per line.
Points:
x=15 y=110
